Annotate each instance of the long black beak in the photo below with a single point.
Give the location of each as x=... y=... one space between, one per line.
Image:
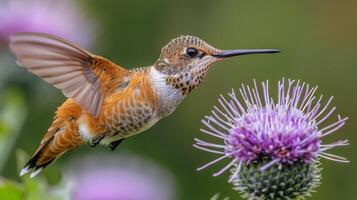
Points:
x=231 y=53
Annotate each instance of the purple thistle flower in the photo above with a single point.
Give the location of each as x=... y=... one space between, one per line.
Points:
x=62 y=18
x=286 y=131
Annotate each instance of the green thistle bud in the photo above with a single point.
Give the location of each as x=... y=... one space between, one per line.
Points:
x=283 y=181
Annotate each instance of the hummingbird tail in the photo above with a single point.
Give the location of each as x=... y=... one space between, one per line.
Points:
x=32 y=164
x=61 y=137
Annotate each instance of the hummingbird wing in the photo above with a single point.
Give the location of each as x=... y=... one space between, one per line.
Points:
x=82 y=76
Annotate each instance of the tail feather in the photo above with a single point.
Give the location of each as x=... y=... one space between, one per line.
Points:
x=35 y=165
x=56 y=142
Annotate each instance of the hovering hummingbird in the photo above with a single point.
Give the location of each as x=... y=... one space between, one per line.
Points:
x=108 y=103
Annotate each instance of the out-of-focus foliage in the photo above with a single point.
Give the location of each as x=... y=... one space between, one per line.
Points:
x=318 y=42
x=12 y=115
x=10 y=190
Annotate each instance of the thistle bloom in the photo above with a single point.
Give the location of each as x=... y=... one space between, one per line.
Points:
x=62 y=18
x=123 y=178
x=261 y=133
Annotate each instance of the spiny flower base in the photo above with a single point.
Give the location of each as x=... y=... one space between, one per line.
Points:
x=278 y=182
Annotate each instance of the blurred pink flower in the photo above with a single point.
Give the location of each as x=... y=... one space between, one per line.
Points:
x=62 y=18
x=105 y=177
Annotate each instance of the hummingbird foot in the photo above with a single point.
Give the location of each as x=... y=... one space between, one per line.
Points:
x=115 y=144
x=96 y=140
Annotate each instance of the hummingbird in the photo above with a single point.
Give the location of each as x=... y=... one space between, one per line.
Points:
x=108 y=103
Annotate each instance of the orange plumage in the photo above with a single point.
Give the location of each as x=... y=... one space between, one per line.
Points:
x=92 y=84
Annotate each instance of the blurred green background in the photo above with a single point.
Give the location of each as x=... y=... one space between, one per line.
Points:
x=318 y=42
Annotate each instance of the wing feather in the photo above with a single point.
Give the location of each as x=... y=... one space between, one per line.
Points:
x=67 y=67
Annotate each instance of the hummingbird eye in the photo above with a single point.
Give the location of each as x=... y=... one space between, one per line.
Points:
x=192 y=52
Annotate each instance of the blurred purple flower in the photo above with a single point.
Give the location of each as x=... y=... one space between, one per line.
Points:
x=284 y=131
x=123 y=178
x=62 y=18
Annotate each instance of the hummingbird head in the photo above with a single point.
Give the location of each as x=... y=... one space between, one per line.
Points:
x=185 y=60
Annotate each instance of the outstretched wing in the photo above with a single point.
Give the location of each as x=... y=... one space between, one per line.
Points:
x=80 y=75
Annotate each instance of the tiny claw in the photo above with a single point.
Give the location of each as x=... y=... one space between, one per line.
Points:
x=96 y=140
x=115 y=144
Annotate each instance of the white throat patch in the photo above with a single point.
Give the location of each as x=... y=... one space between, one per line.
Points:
x=169 y=97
